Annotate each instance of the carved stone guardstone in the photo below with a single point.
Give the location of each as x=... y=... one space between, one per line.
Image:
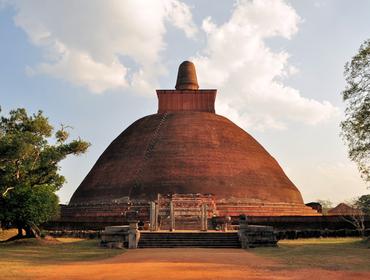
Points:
x=121 y=236
x=251 y=236
x=133 y=235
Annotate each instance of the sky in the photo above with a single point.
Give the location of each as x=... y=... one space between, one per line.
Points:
x=277 y=64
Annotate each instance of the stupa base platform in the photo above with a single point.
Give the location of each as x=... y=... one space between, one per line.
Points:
x=181 y=211
x=264 y=209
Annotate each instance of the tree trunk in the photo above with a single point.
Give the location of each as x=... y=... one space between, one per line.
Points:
x=362 y=233
x=32 y=231
x=20 y=231
x=29 y=232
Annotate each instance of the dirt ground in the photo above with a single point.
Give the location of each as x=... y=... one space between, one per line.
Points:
x=184 y=264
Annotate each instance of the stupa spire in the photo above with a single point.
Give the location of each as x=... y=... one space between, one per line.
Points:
x=187 y=77
x=187 y=96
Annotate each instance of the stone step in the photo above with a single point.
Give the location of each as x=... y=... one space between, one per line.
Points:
x=184 y=245
x=205 y=235
x=186 y=240
x=187 y=237
x=166 y=245
x=206 y=240
x=187 y=246
x=190 y=242
x=190 y=236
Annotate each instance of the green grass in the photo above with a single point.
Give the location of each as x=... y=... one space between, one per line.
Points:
x=16 y=256
x=325 y=253
x=35 y=251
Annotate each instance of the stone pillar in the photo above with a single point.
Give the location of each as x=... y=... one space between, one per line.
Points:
x=204 y=217
x=157 y=225
x=133 y=235
x=243 y=231
x=243 y=222
x=172 y=216
x=152 y=216
x=227 y=221
x=201 y=217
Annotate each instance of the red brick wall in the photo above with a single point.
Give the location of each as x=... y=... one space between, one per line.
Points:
x=186 y=100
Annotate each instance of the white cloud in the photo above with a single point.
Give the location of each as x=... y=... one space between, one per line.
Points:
x=86 y=71
x=180 y=16
x=249 y=75
x=84 y=41
x=88 y=42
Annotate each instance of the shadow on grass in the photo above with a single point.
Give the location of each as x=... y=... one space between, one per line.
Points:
x=331 y=254
x=36 y=251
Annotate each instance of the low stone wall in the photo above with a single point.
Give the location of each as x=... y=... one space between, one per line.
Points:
x=282 y=223
x=304 y=223
x=285 y=234
x=296 y=234
x=85 y=234
x=287 y=227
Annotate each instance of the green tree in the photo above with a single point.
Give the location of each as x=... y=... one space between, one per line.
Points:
x=363 y=203
x=355 y=214
x=356 y=126
x=29 y=172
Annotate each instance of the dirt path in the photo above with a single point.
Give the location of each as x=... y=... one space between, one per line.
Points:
x=186 y=263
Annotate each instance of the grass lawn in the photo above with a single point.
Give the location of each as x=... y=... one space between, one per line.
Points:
x=16 y=255
x=30 y=259
x=326 y=253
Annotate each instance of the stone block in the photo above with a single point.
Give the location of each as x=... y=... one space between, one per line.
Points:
x=257 y=236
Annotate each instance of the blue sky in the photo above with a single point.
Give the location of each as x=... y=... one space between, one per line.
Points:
x=278 y=67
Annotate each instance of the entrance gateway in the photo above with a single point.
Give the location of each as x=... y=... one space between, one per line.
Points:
x=182 y=212
x=190 y=213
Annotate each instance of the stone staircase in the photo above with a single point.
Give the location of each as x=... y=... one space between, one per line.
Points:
x=189 y=239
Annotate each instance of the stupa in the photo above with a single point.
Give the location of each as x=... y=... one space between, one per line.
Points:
x=184 y=155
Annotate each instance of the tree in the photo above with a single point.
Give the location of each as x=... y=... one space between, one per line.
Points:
x=352 y=213
x=356 y=126
x=326 y=206
x=363 y=203
x=29 y=172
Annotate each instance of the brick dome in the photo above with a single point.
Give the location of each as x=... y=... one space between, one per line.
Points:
x=186 y=152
